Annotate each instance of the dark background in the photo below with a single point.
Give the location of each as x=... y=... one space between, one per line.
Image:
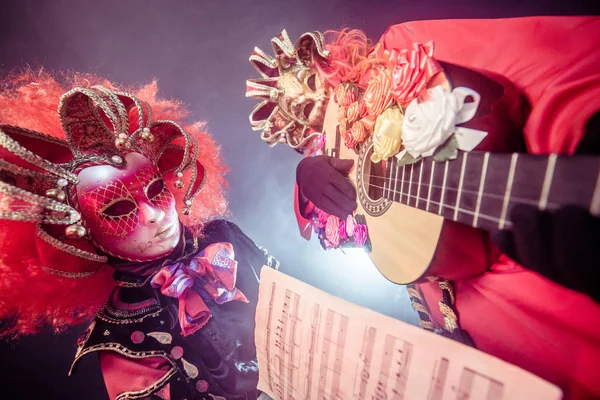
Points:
x=199 y=52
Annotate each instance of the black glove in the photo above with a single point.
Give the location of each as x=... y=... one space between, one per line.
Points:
x=562 y=246
x=323 y=180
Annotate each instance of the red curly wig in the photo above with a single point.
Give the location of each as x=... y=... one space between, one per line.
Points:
x=31 y=298
x=349 y=60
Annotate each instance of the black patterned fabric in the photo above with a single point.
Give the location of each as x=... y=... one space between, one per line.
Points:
x=219 y=359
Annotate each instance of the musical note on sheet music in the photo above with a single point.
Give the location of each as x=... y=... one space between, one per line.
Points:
x=311 y=345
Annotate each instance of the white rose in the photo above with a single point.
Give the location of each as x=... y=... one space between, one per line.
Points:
x=430 y=123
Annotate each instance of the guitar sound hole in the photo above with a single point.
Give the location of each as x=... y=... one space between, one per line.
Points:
x=373 y=177
x=371 y=182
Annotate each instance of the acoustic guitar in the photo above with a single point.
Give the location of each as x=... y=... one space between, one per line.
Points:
x=423 y=217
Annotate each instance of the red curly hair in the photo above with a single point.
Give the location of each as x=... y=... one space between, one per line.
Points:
x=31 y=298
x=349 y=60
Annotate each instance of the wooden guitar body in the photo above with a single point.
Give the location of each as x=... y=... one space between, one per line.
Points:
x=409 y=244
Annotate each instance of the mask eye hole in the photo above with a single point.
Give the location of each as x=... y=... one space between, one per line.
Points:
x=155 y=188
x=311 y=82
x=307 y=109
x=119 y=208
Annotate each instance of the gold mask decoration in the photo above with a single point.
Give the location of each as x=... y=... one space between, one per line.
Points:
x=294 y=96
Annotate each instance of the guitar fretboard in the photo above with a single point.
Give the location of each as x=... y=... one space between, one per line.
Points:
x=480 y=188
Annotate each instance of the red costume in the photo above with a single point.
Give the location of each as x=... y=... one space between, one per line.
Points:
x=511 y=312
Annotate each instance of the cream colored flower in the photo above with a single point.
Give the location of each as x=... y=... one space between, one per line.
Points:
x=387 y=134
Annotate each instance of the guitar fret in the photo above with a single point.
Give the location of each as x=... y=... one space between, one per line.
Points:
x=509 y=183
x=595 y=204
x=441 y=205
x=421 y=165
x=486 y=158
x=460 y=184
x=396 y=172
x=410 y=185
x=392 y=169
x=387 y=183
x=430 y=186
x=402 y=184
x=547 y=182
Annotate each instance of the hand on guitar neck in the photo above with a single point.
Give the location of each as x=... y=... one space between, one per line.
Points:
x=323 y=180
x=562 y=246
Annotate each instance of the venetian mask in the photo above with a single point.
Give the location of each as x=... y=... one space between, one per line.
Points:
x=304 y=96
x=128 y=210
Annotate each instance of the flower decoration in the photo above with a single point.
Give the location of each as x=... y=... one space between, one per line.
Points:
x=342 y=230
x=360 y=235
x=322 y=217
x=358 y=131
x=336 y=232
x=429 y=124
x=350 y=224
x=356 y=110
x=387 y=134
x=378 y=95
x=411 y=71
x=342 y=112
x=343 y=124
x=349 y=140
x=345 y=94
x=332 y=233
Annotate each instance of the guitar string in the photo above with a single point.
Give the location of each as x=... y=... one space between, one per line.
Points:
x=489 y=195
x=462 y=210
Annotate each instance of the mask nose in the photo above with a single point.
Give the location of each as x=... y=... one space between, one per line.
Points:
x=151 y=215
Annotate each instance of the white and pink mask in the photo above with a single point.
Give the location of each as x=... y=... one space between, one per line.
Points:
x=129 y=211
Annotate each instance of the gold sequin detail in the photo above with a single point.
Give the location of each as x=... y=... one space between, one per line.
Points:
x=162 y=337
x=190 y=369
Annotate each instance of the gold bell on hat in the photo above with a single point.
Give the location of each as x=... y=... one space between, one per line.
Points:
x=147 y=135
x=122 y=142
x=56 y=194
x=75 y=231
x=179 y=182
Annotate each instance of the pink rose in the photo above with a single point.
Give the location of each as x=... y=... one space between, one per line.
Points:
x=360 y=234
x=378 y=95
x=322 y=216
x=411 y=71
x=350 y=224
x=342 y=230
x=332 y=230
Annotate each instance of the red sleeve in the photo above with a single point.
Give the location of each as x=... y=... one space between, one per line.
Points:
x=127 y=375
x=531 y=322
x=552 y=60
x=303 y=209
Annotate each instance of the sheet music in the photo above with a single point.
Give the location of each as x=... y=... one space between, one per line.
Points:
x=312 y=345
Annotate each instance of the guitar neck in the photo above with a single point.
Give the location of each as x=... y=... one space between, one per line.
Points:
x=480 y=188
